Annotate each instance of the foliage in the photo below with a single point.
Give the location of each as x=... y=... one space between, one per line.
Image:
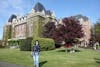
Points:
x=0 y=44
x=24 y=44
x=7 y=32
x=68 y=31
x=40 y=25
x=45 y=43
x=37 y=26
x=97 y=30
x=48 y=29
x=13 y=42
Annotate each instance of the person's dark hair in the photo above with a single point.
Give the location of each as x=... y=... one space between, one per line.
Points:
x=35 y=42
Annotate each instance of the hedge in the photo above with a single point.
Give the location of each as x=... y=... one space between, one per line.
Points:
x=25 y=44
x=13 y=42
x=45 y=43
x=2 y=46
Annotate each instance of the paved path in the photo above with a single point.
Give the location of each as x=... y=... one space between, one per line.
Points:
x=98 y=50
x=5 y=64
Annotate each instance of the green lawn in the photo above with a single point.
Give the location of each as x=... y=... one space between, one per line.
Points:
x=54 y=58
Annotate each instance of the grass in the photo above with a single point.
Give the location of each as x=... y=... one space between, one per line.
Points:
x=54 y=58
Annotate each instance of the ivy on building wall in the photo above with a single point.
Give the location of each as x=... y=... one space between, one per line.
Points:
x=41 y=23
x=35 y=27
x=8 y=32
x=38 y=24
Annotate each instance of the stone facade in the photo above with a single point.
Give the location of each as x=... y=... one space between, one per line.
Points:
x=30 y=25
x=86 y=27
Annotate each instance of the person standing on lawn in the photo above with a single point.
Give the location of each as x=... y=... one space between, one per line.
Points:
x=35 y=53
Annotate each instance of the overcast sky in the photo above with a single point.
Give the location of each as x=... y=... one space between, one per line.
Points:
x=62 y=8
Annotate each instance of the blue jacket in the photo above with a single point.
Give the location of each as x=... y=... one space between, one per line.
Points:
x=36 y=48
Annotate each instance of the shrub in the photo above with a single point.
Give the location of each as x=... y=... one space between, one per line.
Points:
x=25 y=44
x=12 y=42
x=1 y=44
x=45 y=43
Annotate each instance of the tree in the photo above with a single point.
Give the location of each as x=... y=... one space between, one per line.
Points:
x=97 y=30
x=48 y=29
x=68 y=32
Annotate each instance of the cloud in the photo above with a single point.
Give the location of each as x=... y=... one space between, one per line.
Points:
x=8 y=7
x=11 y=6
